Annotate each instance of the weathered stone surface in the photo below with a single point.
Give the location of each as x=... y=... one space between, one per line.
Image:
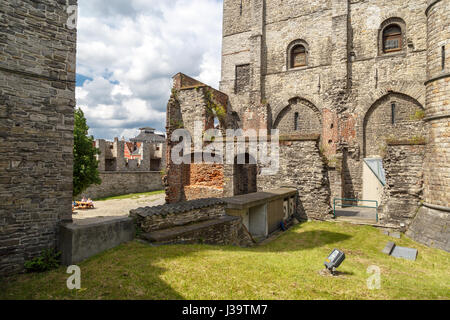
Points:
x=195 y=221
x=37 y=98
x=404 y=176
x=432 y=228
x=178 y=214
x=196 y=232
x=119 y=183
x=80 y=242
x=302 y=168
x=388 y=248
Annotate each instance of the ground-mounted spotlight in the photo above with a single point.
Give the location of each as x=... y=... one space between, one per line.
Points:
x=334 y=260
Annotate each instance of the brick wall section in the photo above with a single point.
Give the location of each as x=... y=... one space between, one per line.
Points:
x=120 y=183
x=403 y=164
x=37 y=99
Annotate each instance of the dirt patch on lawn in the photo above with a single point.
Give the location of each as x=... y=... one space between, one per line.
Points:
x=108 y=209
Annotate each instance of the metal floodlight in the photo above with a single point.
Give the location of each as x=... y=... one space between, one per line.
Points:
x=334 y=260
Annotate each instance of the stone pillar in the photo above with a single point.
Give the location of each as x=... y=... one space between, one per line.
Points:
x=163 y=155
x=119 y=154
x=432 y=223
x=254 y=115
x=145 y=152
x=256 y=50
x=101 y=145
x=340 y=40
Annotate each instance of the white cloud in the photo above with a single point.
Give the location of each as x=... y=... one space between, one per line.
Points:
x=131 y=49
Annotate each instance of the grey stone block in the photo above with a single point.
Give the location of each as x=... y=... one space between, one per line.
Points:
x=405 y=253
x=80 y=242
x=389 y=247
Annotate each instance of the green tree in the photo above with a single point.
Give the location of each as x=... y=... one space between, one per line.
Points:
x=85 y=166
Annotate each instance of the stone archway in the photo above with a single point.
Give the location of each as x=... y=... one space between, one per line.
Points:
x=299 y=116
x=394 y=116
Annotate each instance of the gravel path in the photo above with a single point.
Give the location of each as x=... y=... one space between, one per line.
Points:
x=112 y=209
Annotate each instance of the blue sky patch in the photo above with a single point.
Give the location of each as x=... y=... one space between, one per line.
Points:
x=82 y=79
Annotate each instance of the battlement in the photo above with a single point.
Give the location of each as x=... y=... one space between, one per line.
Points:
x=121 y=155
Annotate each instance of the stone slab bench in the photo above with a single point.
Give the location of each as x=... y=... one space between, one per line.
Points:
x=78 y=242
x=263 y=213
x=258 y=198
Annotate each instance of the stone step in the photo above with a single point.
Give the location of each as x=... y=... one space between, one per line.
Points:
x=357 y=220
x=190 y=233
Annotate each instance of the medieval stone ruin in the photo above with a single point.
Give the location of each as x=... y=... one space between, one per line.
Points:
x=359 y=91
x=360 y=98
x=129 y=166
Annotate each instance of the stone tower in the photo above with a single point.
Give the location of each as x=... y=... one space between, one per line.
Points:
x=431 y=225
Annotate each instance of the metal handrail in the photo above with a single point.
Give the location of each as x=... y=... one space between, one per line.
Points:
x=357 y=200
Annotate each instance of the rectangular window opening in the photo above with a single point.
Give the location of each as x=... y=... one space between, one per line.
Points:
x=296 y=121
x=443 y=58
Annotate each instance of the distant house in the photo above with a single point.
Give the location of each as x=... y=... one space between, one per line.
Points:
x=148 y=134
x=132 y=150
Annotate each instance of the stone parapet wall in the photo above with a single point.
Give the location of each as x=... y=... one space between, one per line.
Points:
x=120 y=183
x=172 y=215
x=196 y=221
x=223 y=231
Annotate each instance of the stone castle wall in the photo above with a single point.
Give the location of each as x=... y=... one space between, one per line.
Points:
x=37 y=99
x=403 y=164
x=124 y=176
x=125 y=182
x=347 y=85
x=302 y=167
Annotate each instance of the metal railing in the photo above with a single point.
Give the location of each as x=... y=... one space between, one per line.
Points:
x=356 y=206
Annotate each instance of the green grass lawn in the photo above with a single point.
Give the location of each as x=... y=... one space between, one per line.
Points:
x=286 y=268
x=132 y=196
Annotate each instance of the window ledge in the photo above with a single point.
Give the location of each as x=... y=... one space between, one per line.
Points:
x=391 y=55
x=298 y=68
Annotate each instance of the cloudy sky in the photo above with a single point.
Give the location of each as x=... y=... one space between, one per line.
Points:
x=128 y=51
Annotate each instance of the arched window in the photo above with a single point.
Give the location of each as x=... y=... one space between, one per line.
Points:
x=392 y=39
x=298 y=56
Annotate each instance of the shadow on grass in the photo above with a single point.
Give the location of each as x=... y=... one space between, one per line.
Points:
x=132 y=271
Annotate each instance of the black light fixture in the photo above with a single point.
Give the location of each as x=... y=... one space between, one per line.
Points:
x=334 y=260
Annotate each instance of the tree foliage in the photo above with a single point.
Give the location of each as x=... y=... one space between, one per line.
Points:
x=85 y=166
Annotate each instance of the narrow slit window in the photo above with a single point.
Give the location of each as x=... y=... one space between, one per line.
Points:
x=443 y=58
x=296 y=121
x=392 y=39
x=393 y=112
